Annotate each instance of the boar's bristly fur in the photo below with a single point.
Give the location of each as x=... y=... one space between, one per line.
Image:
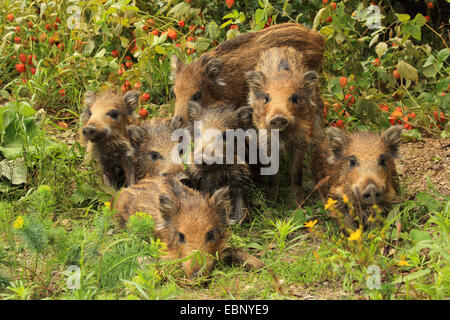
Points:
x=208 y=177
x=106 y=119
x=219 y=75
x=360 y=166
x=185 y=220
x=285 y=97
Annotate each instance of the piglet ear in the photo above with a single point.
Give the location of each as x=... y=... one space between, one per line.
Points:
x=131 y=99
x=195 y=111
x=220 y=200
x=176 y=122
x=167 y=206
x=311 y=82
x=337 y=140
x=392 y=137
x=175 y=65
x=213 y=66
x=88 y=99
x=245 y=116
x=256 y=79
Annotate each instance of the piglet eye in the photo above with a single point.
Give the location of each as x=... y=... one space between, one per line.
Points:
x=295 y=98
x=181 y=238
x=154 y=156
x=113 y=114
x=352 y=162
x=266 y=98
x=210 y=236
x=197 y=96
x=382 y=162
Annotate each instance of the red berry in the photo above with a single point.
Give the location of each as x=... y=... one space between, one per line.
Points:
x=340 y=124
x=329 y=19
x=350 y=99
x=427 y=18
x=234 y=26
x=145 y=96
x=412 y=115
x=376 y=62
x=128 y=64
x=18 y=29
x=229 y=3
x=324 y=2
x=23 y=58
x=58 y=20
x=47 y=26
x=61 y=46
x=55 y=26
x=181 y=23
x=10 y=17
x=33 y=70
x=137 y=85
x=30 y=59
x=172 y=34
x=143 y=113
x=396 y=74
x=17 y=40
x=333 y=5
x=21 y=68
x=430 y=5
x=115 y=53
x=343 y=82
x=124 y=89
x=127 y=58
x=62 y=92
x=155 y=32
x=121 y=71
x=51 y=41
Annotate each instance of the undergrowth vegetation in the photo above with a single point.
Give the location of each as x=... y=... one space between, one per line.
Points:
x=385 y=64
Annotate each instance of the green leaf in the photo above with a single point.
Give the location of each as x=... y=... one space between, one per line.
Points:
x=213 y=30
x=419 y=235
x=419 y=20
x=403 y=17
x=443 y=54
x=407 y=71
x=160 y=50
x=443 y=84
x=326 y=31
x=430 y=71
x=381 y=49
x=14 y=170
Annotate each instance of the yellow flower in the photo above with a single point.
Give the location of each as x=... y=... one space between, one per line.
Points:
x=141 y=214
x=310 y=224
x=345 y=198
x=355 y=235
x=108 y=205
x=18 y=224
x=403 y=263
x=330 y=203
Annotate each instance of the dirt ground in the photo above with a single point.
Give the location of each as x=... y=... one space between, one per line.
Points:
x=421 y=159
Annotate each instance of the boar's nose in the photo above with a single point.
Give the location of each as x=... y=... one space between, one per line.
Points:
x=371 y=194
x=90 y=132
x=278 y=122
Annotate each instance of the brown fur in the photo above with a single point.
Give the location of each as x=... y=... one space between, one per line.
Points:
x=153 y=144
x=208 y=178
x=106 y=118
x=356 y=163
x=284 y=95
x=184 y=219
x=219 y=75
